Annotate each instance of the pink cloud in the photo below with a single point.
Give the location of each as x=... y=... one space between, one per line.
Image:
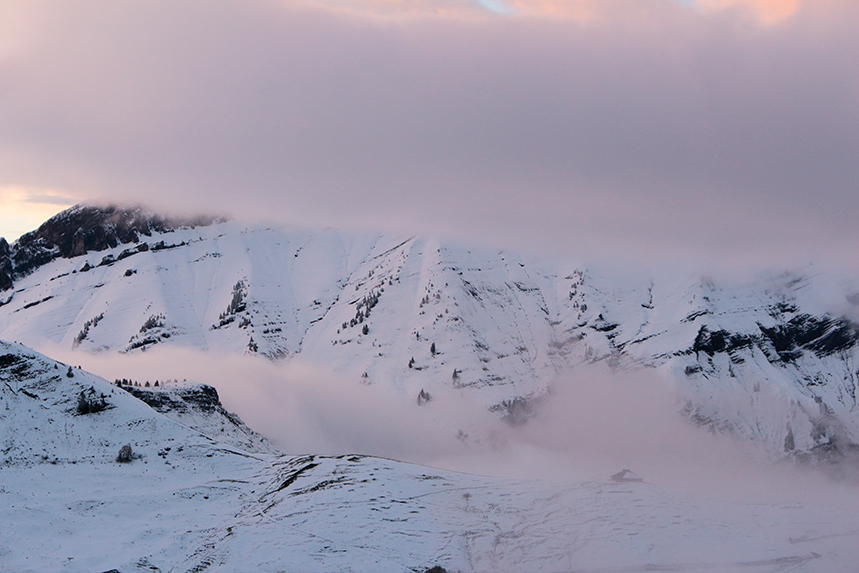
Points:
x=654 y=127
x=768 y=11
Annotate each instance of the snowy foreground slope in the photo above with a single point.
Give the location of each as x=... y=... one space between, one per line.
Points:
x=772 y=361
x=190 y=501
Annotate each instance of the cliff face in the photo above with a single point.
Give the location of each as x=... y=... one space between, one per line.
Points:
x=5 y=266
x=199 y=407
x=79 y=230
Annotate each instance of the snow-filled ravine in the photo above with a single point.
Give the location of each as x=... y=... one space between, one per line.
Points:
x=191 y=497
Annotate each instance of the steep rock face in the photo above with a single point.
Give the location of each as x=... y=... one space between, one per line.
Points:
x=798 y=368
x=79 y=230
x=200 y=397
x=5 y=265
x=199 y=407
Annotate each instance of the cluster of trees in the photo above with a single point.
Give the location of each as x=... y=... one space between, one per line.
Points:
x=121 y=382
x=91 y=323
x=89 y=402
x=423 y=397
x=429 y=297
x=362 y=310
x=433 y=351
x=238 y=304
x=154 y=321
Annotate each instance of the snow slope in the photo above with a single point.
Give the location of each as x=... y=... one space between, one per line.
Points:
x=189 y=502
x=772 y=362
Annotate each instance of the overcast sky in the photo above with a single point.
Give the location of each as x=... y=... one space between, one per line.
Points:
x=713 y=128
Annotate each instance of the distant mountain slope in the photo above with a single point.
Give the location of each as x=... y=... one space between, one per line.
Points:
x=185 y=501
x=767 y=361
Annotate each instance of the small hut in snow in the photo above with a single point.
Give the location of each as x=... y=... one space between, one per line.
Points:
x=626 y=475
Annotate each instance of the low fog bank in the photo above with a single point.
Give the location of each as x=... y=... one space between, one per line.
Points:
x=593 y=423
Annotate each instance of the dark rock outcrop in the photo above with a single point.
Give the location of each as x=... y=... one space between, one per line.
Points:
x=200 y=397
x=199 y=407
x=822 y=335
x=5 y=265
x=82 y=229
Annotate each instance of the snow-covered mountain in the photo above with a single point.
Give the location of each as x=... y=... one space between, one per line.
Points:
x=94 y=479
x=771 y=361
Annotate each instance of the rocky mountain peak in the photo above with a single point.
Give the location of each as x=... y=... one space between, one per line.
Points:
x=82 y=229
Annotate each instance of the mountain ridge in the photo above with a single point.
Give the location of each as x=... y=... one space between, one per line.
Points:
x=767 y=361
x=81 y=229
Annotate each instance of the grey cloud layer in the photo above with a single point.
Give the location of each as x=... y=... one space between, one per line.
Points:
x=675 y=132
